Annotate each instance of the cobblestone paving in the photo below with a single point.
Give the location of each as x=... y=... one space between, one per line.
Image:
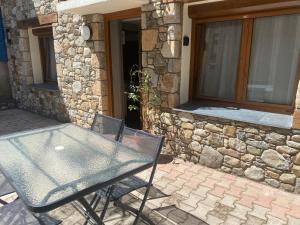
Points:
x=184 y=193
x=15 y=120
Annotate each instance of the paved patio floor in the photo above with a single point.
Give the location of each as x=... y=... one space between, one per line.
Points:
x=184 y=193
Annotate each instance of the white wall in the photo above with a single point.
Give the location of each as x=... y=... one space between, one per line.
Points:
x=35 y=58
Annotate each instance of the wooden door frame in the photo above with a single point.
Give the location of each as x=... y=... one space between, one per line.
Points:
x=125 y=14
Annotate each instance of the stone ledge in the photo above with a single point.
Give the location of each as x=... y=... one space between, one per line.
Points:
x=46 y=87
x=275 y=120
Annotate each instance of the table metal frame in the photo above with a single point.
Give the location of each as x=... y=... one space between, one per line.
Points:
x=78 y=196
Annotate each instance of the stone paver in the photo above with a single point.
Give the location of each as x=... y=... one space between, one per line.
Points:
x=184 y=193
x=15 y=120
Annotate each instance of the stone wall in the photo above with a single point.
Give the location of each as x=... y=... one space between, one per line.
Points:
x=161 y=46
x=81 y=67
x=264 y=154
x=47 y=102
x=82 y=79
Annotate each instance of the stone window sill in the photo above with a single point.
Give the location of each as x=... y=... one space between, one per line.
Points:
x=242 y=115
x=46 y=87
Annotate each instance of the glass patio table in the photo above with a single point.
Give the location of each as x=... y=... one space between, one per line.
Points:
x=53 y=166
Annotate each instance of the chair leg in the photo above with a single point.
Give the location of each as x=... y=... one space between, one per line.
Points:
x=134 y=211
x=108 y=195
x=145 y=197
x=94 y=203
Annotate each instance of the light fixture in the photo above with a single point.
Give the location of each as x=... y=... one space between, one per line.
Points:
x=85 y=32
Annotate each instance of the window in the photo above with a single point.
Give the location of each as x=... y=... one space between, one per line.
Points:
x=47 y=53
x=250 y=62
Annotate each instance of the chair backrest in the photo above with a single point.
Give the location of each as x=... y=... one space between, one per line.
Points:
x=142 y=142
x=107 y=126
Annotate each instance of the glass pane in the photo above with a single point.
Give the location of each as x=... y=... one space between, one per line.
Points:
x=220 y=59
x=52 y=62
x=48 y=165
x=274 y=59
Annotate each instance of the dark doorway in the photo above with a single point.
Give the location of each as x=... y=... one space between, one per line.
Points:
x=125 y=55
x=131 y=58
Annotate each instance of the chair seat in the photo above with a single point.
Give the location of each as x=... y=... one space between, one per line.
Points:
x=5 y=187
x=124 y=187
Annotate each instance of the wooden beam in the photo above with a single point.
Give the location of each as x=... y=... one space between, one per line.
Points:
x=37 y=21
x=48 y=19
x=24 y=24
x=233 y=7
x=296 y=119
x=127 y=14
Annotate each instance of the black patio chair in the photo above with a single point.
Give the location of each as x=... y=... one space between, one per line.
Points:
x=142 y=142
x=16 y=213
x=107 y=126
x=5 y=188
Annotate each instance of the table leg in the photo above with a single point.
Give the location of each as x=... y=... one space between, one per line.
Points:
x=90 y=211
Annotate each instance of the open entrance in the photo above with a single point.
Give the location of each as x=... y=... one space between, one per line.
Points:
x=125 y=54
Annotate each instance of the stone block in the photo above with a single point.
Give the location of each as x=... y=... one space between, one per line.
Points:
x=233 y=162
x=174 y=65
x=173 y=100
x=201 y=133
x=296 y=170
x=98 y=60
x=237 y=144
x=296 y=159
x=276 y=139
x=229 y=131
x=258 y=144
x=215 y=140
x=170 y=83
x=195 y=146
x=255 y=173
x=171 y=49
x=296 y=138
x=186 y=117
x=153 y=75
x=287 y=150
x=149 y=39
x=275 y=160
x=213 y=128
x=288 y=178
x=172 y=13
x=293 y=144
x=174 y=32
x=188 y=126
x=297 y=186
x=247 y=158
x=273 y=182
x=97 y=31
x=254 y=151
x=230 y=152
x=211 y=158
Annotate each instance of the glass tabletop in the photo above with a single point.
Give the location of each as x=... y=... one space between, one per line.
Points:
x=53 y=166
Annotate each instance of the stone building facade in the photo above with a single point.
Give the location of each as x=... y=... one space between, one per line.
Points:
x=261 y=153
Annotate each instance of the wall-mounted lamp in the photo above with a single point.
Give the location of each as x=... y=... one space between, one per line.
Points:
x=186 y=40
x=85 y=32
x=8 y=36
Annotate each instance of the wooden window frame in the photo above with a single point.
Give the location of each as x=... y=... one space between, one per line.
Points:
x=42 y=33
x=240 y=100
